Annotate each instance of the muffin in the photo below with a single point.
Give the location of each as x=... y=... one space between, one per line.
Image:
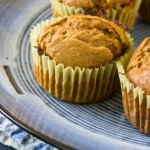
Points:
x=74 y=58
x=135 y=83
x=144 y=10
x=124 y=11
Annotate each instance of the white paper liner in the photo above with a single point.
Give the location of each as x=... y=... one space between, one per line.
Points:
x=60 y=9
x=126 y=15
x=75 y=85
x=136 y=102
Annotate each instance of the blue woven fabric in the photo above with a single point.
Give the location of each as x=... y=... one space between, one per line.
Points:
x=12 y=135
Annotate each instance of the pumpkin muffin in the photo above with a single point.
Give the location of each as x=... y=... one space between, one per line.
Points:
x=144 y=10
x=74 y=58
x=135 y=83
x=124 y=11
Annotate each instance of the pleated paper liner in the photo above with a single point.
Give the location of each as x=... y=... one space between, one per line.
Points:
x=136 y=103
x=126 y=15
x=75 y=85
x=144 y=10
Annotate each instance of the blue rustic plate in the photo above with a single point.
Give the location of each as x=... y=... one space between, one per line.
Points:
x=99 y=126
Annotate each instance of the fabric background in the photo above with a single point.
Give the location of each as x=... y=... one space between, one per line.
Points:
x=14 y=136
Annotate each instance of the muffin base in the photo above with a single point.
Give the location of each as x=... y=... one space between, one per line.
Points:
x=74 y=85
x=126 y=15
x=136 y=103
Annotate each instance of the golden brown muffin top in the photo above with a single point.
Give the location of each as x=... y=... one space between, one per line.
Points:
x=138 y=70
x=93 y=3
x=84 y=41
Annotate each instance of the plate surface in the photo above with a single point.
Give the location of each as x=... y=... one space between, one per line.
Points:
x=101 y=125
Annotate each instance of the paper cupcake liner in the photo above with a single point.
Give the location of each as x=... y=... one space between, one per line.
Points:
x=126 y=15
x=60 y=9
x=136 y=103
x=144 y=10
x=74 y=85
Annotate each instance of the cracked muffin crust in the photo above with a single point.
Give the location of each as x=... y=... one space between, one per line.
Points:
x=135 y=87
x=84 y=41
x=124 y=11
x=97 y=3
x=74 y=59
x=138 y=70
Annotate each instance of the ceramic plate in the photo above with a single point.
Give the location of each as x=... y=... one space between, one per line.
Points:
x=99 y=126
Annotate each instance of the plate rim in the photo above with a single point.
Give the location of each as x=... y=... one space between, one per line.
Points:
x=8 y=93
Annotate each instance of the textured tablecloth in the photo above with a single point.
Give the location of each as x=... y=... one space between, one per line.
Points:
x=12 y=135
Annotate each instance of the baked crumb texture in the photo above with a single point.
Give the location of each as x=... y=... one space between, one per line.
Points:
x=135 y=87
x=138 y=70
x=105 y=4
x=70 y=42
x=124 y=11
x=83 y=41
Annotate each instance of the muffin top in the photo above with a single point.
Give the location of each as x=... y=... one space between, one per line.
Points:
x=84 y=41
x=95 y=3
x=138 y=70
